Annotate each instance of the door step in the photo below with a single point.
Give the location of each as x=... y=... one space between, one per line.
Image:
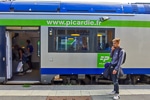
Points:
x=23 y=82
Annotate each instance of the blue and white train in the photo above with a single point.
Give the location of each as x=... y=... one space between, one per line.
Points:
x=72 y=40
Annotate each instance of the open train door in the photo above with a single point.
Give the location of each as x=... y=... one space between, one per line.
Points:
x=2 y=54
x=8 y=55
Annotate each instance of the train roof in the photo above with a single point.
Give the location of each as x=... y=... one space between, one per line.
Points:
x=74 y=7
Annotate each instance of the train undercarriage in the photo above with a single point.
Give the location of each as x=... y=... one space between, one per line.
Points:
x=99 y=79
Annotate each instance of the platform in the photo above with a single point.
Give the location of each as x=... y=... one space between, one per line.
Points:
x=96 y=92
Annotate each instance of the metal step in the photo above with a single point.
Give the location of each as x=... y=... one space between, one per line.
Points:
x=23 y=82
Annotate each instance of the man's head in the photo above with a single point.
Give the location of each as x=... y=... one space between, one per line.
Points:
x=28 y=41
x=116 y=42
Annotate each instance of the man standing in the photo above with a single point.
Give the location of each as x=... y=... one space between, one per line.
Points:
x=117 y=59
x=30 y=51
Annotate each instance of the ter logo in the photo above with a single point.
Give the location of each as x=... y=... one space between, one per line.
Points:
x=104 y=58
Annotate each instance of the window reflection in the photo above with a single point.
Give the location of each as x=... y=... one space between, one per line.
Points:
x=104 y=39
x=80 y=40
x=74 y=40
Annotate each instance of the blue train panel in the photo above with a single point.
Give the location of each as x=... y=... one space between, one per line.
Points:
x=127 y=8
x=56 y=6
x=90 y=8
x=35 y=6
x=5 y=6
x=91 y=70
x=147 y=8
x=141 y=9
x=136 y=8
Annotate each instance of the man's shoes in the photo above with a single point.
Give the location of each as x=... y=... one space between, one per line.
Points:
x=20 y=74
x=112 y=93
x=116 y=97
x=29 y=71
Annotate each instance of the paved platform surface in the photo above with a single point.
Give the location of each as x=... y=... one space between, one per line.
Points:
x=101 y=97
x=97 y=92
x=70 y=87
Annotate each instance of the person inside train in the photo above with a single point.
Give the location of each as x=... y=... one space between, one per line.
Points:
x=107 y=47
x=84 y=43
x=84 y=46
x=19 y=56
x=99 y=46
x=29 y=49
x=15 y=54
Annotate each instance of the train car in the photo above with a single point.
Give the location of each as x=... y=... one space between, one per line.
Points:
x=72 y=41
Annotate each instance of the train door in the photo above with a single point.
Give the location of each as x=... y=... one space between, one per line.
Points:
x=16 y=39
x=2 y=54
x=8 y=55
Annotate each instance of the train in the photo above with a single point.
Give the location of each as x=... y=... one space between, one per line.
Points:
x=72 y=41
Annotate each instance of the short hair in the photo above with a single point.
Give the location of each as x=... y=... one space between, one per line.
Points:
x=116 y=40
x=28 y=41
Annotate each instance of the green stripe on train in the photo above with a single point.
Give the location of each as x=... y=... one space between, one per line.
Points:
x=49 y=22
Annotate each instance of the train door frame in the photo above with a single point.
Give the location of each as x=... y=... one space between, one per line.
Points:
x=2 y=55
x=9 y=70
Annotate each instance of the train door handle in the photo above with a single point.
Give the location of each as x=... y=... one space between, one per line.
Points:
x=4 y=59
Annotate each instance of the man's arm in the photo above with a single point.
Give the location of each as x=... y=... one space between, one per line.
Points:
x=28 y=49
x=112 y=51
x=20 y=52
x=120 y=60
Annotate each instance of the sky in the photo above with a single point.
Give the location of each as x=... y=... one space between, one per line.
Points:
x=120 y=1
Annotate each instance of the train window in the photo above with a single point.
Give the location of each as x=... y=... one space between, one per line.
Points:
x=80 y=40
x=71 y=40
x=60 y=32
x=104 y=40
x=71 y=43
